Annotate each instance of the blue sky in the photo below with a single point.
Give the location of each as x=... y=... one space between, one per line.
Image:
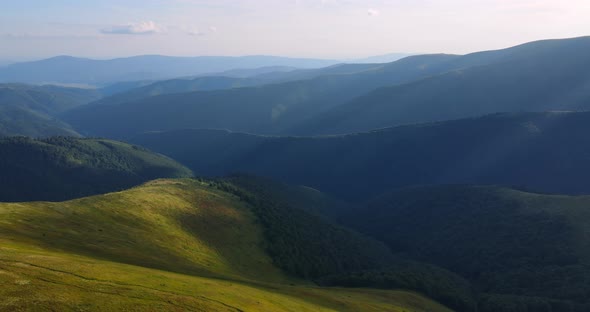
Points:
x=32 y=29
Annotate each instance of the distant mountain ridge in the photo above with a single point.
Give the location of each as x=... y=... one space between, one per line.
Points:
x=68 y=69
x=266 y=109
x=538 y=76
x=222 y=81
x=384 y=58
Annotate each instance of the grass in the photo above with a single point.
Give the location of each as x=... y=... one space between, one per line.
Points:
x=166 y=245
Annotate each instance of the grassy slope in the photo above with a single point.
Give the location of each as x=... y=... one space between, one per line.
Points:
x=117 y=251
x=45 y=281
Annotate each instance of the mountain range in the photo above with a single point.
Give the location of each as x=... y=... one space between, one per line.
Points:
x=354 y=98
x=429 y=183
x=539 y=76
x=268 y=108
x=68 y=69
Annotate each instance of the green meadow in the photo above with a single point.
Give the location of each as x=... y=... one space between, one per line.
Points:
x=166 y=245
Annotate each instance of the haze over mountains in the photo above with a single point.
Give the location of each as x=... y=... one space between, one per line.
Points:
x=272 y=108
x=67 y=69
x=366 y=97
x=385 y=58
x=434 y=182
x=547 y=75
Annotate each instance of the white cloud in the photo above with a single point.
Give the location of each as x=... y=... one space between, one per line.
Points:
x=198 y=32
x=141 y=28
x=373 y=12
x=195 y=32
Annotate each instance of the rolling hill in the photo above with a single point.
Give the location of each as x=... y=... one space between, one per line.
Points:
x=31 y=110
x=124 y=92
x=524 y=251
x=539 y=76
x=169 y=244
x=207 y=83
x=271 y=71
x=63 y=168
x=545 y=152
x=264 y=109
x=68 y=69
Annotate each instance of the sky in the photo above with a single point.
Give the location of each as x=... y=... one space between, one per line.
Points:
x=330 y=29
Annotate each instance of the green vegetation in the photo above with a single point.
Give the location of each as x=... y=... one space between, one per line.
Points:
x=32 y=110
x=200 y=231
x=293 y=196
x=522 y=251
x=302 y=244
x=126 y=250
x=62 y=168
x=311 y=247
x=439 y=284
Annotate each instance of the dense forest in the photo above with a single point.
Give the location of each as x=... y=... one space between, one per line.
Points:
x=520 y=250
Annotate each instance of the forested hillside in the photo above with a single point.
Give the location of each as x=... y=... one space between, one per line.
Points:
x=32 y=110
x=538 y=151
x=523 y=251
x=62 y=168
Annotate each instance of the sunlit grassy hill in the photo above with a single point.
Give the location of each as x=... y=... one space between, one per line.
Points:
x=166 y=245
